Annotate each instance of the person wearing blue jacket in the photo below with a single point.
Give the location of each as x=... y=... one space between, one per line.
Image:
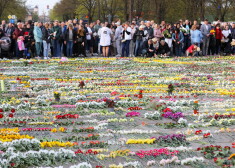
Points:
x=196 y=36
x=38 y=38
x=178 y=39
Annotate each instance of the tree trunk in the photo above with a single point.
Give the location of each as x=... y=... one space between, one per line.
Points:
x=99 y=9
x=126 y=10
x=131 y=7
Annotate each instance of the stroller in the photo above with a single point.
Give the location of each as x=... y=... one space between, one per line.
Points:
x=5 y=46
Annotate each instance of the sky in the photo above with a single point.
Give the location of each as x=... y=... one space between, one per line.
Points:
x=42 y=4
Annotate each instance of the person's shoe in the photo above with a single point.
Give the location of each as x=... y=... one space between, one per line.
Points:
x=118 y=55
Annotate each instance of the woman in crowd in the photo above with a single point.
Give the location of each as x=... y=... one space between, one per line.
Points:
x=226 y=39
x=46 y=41
x=38 y=38
x=167 y=33
x=196 y=35
x=218 y=36
x=81 y=41
x=70 y=38
x=105 y=39
x=178 y=39
x=157 y=32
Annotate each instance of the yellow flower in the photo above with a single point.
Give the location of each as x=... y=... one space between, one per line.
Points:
x=231 y=156
x=54 y=130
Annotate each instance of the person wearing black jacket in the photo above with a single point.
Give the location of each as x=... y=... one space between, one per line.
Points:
x=148 y=49
x=69 y=39
x=150 y=31
x=138 y=38
x=187 y=26
x=233 y=37
x=46 y=40
x=163 y=49
x=1 y=33
x=80 y=41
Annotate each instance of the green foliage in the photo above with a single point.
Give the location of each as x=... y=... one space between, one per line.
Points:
x=168 y=10
x=13 y=7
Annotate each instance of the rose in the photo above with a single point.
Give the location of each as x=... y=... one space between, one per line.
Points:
x=13 y=110
x=1 y=115
x=1 y=110
x=10 y=115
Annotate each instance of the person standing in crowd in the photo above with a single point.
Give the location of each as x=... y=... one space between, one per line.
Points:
x=70 y=37
x=105 y=39
x=81 y=41
x=157 y=32
x=132 y=44
x=187 y=27
x=212 y=43
x=205 y=29
x=89 y=39
x=9 y=33
x=178 y=39
x=4 y=26
x=196 y=35
x=56 y=34
x=1 y=32
x=167 y=33
x=150 y=31
x=38 y=38
x=226 y=40
x=126 y=38
x=46 y=40
x=62 y=45
x=118 y=39
x=233 y=38
x=218 y=37
x=17 y=33
x=139 y=39
x=97 y=27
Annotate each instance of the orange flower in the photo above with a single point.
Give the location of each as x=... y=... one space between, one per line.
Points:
x=196 y=101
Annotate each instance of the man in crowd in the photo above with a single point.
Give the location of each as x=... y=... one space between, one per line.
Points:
x=205 y=29
x=118 y=38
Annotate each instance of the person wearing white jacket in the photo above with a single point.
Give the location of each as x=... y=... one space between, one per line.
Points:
x=126 y=39
x=118 y=38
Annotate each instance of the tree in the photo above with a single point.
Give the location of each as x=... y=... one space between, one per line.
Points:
x=89 y=5
x=16 y=7
x=220 y=8
x=64 y=10
x=3 y=6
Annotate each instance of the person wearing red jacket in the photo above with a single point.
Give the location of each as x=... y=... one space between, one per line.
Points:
x=218 y=36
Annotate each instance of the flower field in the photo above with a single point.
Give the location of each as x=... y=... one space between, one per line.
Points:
x=118 y=113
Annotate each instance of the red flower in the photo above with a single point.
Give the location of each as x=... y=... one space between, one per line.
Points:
x=10 y=115
x=89 y=151
x=198 y=149
x=13 y=110
x=1 y=110
x=215 y=160
x=1 y=115
x=12 y=164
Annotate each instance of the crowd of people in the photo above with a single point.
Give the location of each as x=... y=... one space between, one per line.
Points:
x=75 y=38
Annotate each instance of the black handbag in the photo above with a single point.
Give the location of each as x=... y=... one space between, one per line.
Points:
x=79 y=39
